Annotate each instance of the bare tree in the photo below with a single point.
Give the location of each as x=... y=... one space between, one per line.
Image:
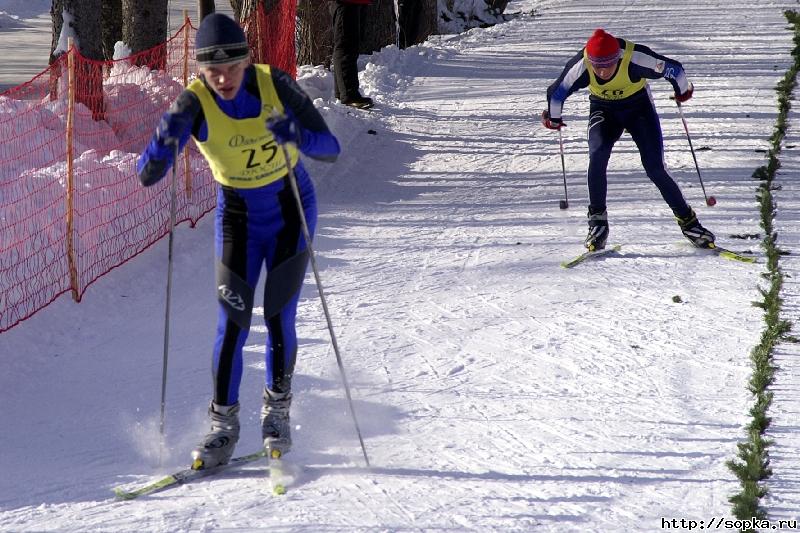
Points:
x=314 y=33
x=57 y=15
x=428 y=20
x=205 y=7
x=145 y=23
x=242 y=9
x=380 y=28
x=111 y=26
x=83 y=23
x=417 y=20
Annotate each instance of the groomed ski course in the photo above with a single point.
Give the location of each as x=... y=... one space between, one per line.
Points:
x=496 y=390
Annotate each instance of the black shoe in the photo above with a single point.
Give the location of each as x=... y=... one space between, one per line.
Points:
x=694 y=231
x=598 y=231
x=358 y=101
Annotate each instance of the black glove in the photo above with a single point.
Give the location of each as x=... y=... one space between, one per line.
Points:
x=285 y=129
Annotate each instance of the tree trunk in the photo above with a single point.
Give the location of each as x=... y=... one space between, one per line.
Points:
x=56 y=14
x=144 y=27
x=204 y=7
x=418 y=20
x=84 y=25
x=242 y=9
x=379 y=27
x=111 y=26
x=428 y=19
x=314 y=35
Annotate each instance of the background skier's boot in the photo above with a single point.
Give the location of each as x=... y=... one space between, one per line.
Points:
x=598 y=230
x=692 y=230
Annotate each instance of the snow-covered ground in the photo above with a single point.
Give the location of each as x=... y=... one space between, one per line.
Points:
x=496 y=390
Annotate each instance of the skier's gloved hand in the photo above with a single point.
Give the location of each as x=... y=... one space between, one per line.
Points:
x=285 y=129
x=685 y=96
x=172 y=128
x=551 y=123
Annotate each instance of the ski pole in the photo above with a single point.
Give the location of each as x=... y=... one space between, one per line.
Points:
x=710 y=200
x=172 y=216
x=307 y=235
x=563 y=204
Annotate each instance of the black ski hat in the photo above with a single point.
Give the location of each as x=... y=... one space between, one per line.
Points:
x=220 y=40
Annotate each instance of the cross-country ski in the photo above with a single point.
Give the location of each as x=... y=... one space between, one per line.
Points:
x=183 y=476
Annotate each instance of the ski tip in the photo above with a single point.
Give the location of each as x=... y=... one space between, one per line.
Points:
x=733 y=256
x=591 y=253
x=730 y=254
x=279 y=490
x=123 y=494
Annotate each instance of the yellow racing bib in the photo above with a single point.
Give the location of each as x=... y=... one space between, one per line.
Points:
x=618 y=87
x=242 y=152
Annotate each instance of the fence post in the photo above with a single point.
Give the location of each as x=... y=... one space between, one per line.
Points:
x=260 y=51
x=70 y=181
x=187 y=177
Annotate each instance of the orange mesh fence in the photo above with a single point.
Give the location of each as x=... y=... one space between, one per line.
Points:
x=115 y=218
x=271 y=35
x=71 y=205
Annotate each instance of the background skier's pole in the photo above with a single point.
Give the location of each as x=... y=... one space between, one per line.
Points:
x=307 y=236
x=172 y=216
x=563 y=204
x=710 y=200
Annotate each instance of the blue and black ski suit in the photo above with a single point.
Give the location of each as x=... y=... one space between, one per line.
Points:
x=257 y=222
x=623 y=103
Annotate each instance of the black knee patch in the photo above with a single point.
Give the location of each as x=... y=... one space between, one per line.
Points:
x=235 y=296
x=283 y=282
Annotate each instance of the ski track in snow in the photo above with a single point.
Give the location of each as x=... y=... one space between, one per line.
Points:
x=496 y=390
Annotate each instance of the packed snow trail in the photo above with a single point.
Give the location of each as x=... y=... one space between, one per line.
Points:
x=497 y=391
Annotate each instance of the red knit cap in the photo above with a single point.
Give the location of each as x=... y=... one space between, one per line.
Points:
x=602 y=49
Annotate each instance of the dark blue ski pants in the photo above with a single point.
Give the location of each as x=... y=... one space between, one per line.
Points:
x=607 y=121
x=257 y=228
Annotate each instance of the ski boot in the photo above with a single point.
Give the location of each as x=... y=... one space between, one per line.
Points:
x=275 y=426
x=217 y=446
x=598 y=230
x=692 y=230
x=359 y=102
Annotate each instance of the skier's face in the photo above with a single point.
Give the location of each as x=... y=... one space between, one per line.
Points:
x=225 y=80
x=605 y=73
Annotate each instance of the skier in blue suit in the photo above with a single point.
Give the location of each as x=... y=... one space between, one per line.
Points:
x=237 y=112
x=616 y=72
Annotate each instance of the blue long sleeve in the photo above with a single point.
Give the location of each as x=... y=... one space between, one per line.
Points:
x=176 y=123
x=184 y=118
